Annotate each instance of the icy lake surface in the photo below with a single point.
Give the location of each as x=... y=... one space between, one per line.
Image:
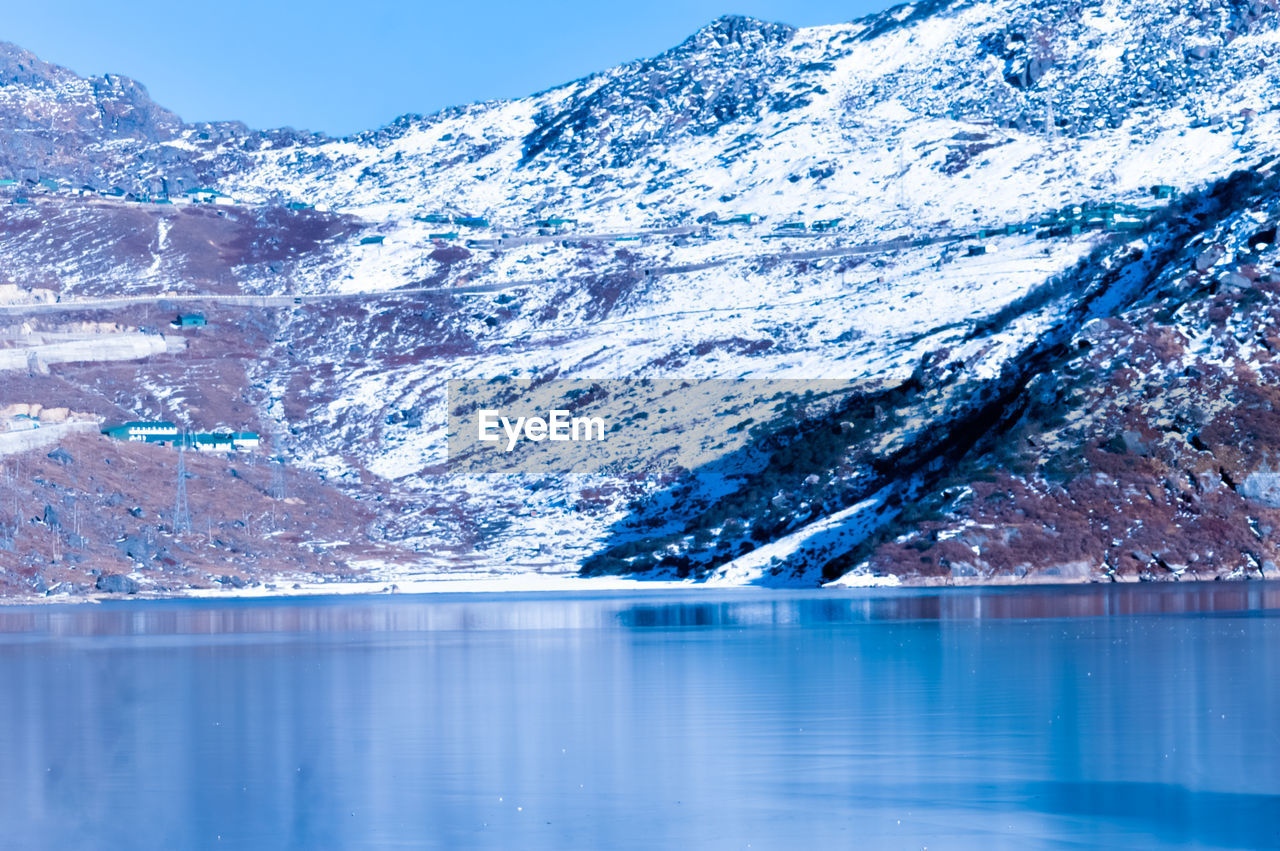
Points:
x=1140 y=717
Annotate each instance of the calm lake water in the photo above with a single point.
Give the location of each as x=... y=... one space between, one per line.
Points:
x=1133 y=717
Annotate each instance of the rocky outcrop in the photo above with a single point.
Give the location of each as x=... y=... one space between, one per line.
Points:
x=1135 y=440
x=1146 y=452
x=117 y=583
x=622 y=114
x=737 y=32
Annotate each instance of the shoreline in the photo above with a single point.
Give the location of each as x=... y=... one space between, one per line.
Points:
x=463 y=582
x=476 y=582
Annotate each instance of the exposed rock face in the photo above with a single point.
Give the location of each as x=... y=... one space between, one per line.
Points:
x=58 y=124
x=735 y=32
x=106 y=131
x=1148 y=451
x=1139 y=444
x=116 y=583
x=635 y=111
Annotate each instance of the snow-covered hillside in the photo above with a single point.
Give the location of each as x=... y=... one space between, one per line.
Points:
x=588 y=232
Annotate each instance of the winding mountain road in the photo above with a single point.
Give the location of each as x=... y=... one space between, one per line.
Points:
x=275 y=301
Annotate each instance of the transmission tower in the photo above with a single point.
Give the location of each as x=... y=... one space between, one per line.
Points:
x=8 y=534
x=181 y=510
x=277 y=469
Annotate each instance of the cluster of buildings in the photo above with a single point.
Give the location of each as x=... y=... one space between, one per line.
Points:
x=28 y=417
x=168 y=434
x=21 y=189
x=20 y=418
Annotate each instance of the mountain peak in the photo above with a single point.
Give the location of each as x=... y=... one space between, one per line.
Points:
x=21 y=67
x=739 y=31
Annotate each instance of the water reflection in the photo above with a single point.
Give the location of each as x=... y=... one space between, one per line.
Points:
x=865 y=719
x=961 y=604
x=341 y=616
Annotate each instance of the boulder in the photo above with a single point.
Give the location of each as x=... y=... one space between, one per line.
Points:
x=62 y=456
x=136 y=548
x=116 y=583
x=1263 y=486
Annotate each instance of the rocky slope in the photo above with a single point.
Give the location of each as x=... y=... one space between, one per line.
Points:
x=1146 y=450
x=1134 y=441
x=994 y=424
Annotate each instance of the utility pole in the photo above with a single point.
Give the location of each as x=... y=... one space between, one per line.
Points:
x=181 y=510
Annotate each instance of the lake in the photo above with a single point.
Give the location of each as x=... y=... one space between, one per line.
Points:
x=1132 y=716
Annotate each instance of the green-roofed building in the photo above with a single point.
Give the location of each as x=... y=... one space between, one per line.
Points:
x=556 y=223
x=205 y=195
x=149 y=431
x=233 y=441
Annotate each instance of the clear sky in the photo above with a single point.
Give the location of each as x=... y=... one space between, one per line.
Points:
x=340 y=66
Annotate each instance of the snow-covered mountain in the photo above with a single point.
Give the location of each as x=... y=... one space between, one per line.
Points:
x=585 y=232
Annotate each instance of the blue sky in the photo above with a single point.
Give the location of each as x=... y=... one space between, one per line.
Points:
x=340 y=67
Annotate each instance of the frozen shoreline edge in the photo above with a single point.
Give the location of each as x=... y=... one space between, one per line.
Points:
x=521 y=583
